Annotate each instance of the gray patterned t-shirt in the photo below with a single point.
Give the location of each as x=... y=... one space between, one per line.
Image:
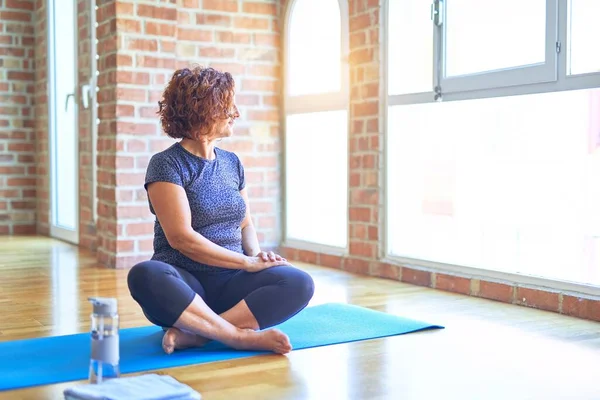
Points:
x=213 y=191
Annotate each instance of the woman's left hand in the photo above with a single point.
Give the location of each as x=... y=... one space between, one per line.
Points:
x=270 y=256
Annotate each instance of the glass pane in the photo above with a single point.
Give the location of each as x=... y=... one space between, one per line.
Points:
x=410 y=47
x=65 y=138
x=314 y=47
x=317 y=177
x=584 y=32
x=510 y=184
x=491 y=35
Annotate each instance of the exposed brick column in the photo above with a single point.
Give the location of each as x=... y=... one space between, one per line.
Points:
x=17 y=134
x=41 y=118
x=365 y=150
x=106 y=17
x=87 y=226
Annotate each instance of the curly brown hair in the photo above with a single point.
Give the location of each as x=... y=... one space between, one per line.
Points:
x=194 y=99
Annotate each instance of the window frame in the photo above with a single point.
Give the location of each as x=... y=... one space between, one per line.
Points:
x=309 y=103
x=404 y=98
x=549 y=77
x=501 y=78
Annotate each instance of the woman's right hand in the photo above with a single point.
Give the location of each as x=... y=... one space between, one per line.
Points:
x=255 y=264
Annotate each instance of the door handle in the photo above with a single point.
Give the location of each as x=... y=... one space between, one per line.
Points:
x=67 y=100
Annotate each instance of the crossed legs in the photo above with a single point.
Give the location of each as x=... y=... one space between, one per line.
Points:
x=247 y=304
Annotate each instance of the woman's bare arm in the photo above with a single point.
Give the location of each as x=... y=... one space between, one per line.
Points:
x=250 y=241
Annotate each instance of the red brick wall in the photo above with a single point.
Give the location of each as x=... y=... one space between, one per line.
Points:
x=17 y=135
x=140 y=44
x=87 y=226
x=41 y=119
x=107 y=142
x=365 y=136
x=154 y=39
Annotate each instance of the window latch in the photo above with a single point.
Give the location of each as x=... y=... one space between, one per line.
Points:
x=437 y=8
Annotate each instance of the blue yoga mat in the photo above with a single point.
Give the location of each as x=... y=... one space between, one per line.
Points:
x=55 y=359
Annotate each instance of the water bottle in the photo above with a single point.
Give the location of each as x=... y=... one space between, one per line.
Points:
x=104 y=360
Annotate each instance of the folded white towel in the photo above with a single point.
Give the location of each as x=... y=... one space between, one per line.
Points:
x=141 y=387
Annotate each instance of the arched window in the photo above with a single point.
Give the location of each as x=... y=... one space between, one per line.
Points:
x=316 y=101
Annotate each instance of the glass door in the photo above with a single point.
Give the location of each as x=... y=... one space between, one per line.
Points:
x=62 y=129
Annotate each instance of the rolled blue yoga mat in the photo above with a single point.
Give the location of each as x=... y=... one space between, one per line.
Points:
x=56 y=359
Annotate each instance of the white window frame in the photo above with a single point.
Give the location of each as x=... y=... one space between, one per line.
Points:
x=502 y=78
x=321 y=102
x=485 y=85
x=53 y=65
x=551 y=76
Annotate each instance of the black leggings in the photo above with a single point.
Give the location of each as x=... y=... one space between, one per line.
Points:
x=273 y=295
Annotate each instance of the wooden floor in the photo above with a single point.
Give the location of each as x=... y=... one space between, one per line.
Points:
x=488 y=350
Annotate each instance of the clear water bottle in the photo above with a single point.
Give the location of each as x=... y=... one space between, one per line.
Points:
x=104 y=360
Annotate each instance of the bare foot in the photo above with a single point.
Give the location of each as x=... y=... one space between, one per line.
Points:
x=272 y=340
x=176 y=339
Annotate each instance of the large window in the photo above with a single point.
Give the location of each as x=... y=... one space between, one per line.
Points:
x=493 y=136
x=316 y=123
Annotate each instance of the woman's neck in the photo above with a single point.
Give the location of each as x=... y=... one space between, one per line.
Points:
x=204 y=148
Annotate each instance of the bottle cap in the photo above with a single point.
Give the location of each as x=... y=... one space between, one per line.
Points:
x=104 y=305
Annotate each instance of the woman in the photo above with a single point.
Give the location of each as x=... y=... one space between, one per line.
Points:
x=208 y=278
